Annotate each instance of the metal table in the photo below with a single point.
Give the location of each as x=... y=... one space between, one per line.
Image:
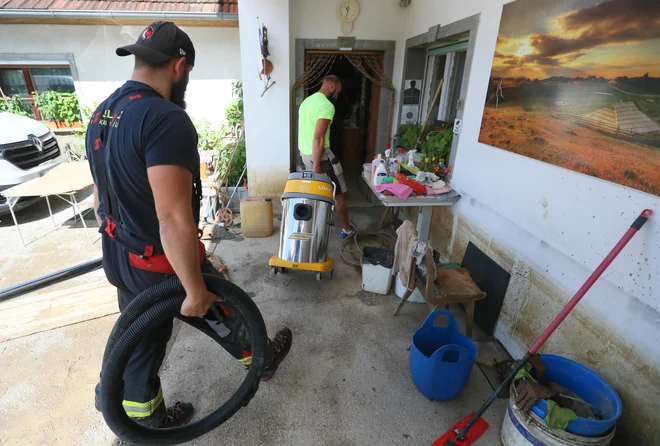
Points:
x=425 y=205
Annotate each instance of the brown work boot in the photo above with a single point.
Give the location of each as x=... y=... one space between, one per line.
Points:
x=281 y=344
x=177 y=415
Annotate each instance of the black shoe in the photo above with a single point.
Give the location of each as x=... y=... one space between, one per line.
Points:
x=177 y=415
x=281 y=346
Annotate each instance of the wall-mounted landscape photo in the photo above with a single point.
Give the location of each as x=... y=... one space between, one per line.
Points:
x=576 y=83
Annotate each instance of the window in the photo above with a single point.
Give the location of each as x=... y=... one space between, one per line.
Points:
x=446 y=63
x=24 y=81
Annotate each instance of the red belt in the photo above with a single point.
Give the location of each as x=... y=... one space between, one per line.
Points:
x=158 y=263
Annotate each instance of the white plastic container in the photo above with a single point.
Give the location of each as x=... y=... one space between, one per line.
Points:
x=520 y=429
x=374 y=167
x=381 y=172
x=367 y=170
x=400 y=289
x=377 y=270
x=411 y=157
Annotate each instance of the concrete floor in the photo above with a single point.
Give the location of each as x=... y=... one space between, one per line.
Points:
x=345 y=382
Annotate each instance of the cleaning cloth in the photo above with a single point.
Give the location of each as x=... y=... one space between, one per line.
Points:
x=400 y=190
x=558 y=417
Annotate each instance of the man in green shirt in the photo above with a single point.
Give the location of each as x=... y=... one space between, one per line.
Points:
x=314 y=118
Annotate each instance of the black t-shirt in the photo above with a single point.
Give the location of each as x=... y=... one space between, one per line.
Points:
x=134 y=129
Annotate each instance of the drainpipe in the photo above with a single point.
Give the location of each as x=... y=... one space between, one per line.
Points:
x=115 y=15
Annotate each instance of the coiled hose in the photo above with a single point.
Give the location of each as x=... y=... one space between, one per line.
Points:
x=145 y=313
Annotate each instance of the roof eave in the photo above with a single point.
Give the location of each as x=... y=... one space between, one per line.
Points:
x=88 y=17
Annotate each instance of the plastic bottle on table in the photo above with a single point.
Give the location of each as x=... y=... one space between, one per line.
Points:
x=411 y=157
x=394 y=167
x=374 y=166
x=381 y=172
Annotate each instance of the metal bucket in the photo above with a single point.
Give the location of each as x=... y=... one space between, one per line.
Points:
x=307 y=206
x=520 y=429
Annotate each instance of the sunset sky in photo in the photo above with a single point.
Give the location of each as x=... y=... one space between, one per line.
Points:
x=578 y=38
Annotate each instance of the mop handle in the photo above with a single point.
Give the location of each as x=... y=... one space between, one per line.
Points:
x=636 y=226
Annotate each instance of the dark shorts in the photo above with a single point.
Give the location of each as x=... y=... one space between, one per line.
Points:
x=331 y=167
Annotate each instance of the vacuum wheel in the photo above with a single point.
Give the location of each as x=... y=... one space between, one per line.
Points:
x=319 y=275
x=274 y=270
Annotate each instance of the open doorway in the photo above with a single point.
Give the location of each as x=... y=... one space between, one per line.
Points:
x=353 y=132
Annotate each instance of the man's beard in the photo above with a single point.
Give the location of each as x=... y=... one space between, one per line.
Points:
x=178 y=94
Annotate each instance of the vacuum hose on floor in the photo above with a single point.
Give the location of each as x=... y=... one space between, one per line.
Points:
x=146 y=312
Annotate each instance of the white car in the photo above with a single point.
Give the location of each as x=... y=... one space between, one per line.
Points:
x=28 y=149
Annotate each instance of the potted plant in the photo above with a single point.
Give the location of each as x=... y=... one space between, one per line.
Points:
x=58 y=110
x=435 y=149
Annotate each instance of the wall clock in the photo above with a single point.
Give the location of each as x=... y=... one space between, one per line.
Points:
x=348 y=11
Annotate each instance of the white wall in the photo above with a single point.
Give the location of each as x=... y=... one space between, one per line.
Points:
x=557 y=226
x=267 y=117
x=100 y=71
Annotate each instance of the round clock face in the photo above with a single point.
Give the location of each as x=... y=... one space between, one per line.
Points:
x=348 y=10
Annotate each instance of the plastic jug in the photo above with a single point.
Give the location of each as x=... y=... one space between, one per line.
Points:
x=441 y=358
x=257 y=217
x=381 y=172
x=374 y=167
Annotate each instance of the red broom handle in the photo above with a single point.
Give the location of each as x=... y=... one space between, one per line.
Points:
x=636 y=226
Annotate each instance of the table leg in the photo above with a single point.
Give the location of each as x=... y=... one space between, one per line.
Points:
x=383 y=219
x=424 y=223
x=404 y=299
x=13 y=215
x=469 y=309
x=50 y=211
x=82 y=218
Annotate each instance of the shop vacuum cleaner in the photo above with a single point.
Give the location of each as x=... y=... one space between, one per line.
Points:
x=307 y=208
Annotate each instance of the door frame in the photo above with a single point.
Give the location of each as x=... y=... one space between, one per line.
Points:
x=386 y=47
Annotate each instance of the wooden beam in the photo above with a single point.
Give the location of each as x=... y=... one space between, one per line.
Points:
x=46 y=311
x=112 y=21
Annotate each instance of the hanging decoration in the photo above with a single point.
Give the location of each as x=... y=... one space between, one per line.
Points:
x=266 y=66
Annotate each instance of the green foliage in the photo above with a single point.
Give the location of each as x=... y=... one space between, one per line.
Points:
x=58 y=107
x=18 y=107
x=209 y=138
x=408 y=135
x=86 y=116
x=237 y=163
x=234 y=111
x=436 y=149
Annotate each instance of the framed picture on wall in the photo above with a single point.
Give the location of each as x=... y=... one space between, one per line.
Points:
x=576 y=83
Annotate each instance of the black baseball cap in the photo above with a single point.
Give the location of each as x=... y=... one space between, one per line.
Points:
x=159 y=43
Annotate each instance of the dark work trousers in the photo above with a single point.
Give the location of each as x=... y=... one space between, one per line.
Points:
x=143 y=395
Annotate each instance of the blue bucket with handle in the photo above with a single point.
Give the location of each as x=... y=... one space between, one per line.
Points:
x=441 y=358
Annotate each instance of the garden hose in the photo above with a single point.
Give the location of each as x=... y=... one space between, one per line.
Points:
x=145 y=313
x=352 y=248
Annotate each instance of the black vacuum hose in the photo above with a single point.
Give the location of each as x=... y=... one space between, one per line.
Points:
x=146 y=312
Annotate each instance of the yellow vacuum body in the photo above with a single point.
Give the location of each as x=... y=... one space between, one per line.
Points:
x=307 y=208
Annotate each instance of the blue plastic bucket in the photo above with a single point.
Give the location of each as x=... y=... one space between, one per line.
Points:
x=441 y=358
x=589 y=386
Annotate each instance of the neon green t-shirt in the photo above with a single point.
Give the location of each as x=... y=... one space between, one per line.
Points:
x=315 y=107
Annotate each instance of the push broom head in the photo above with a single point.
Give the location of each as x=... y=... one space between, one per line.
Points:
x=450 y=438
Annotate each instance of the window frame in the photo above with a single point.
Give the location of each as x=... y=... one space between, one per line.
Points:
x=42 y=60
x=29 y=82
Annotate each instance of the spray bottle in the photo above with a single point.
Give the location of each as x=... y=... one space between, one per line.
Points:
x=411 y=157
